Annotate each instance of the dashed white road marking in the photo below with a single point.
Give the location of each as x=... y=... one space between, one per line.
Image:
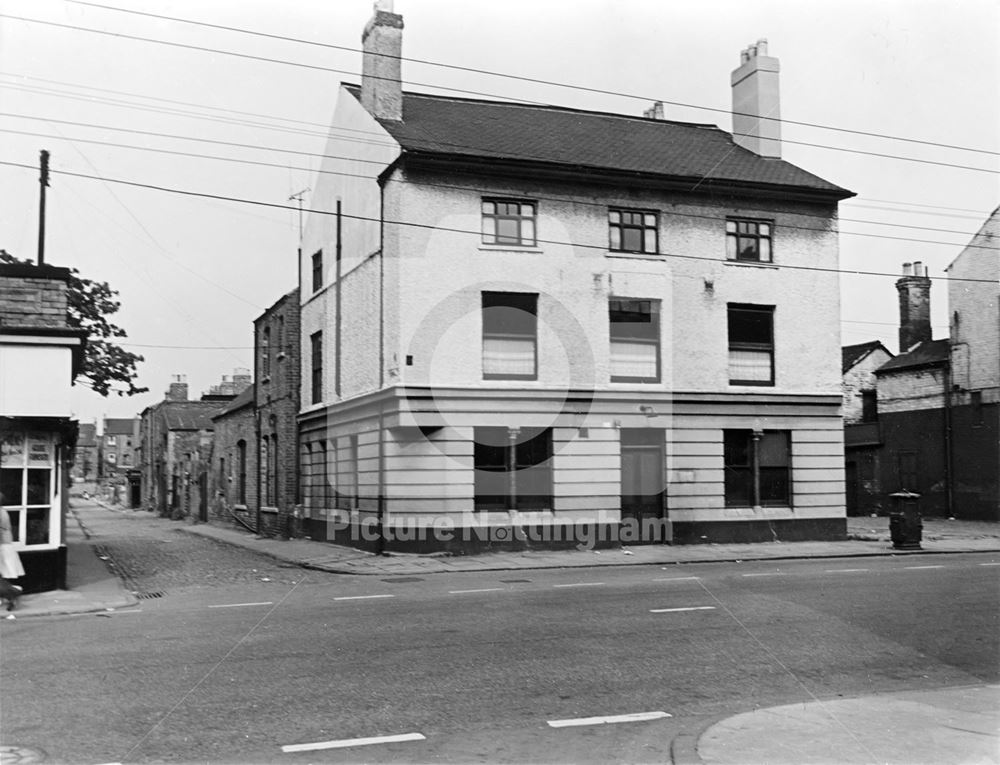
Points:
x=989 y=564
x=347 y=742
x=635 y=717
x=686 y=608
x=677 y=579
x=484 y=589
x=766 y=573
x=915 y=568
x=244 y=605
x=580 y=584
x=362 y=597
x=845 y=570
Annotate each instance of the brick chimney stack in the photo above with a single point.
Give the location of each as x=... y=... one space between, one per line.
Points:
x=914 y=306
x=756 y=102
x=178 y=390
x=381 y=70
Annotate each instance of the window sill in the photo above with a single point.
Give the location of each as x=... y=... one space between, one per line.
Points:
x=271 y=510
x=635 y=255
x=751 y=264
x=509 y=248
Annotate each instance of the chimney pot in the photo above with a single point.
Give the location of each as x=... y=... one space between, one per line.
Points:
x=914 y=306
x=762 y=47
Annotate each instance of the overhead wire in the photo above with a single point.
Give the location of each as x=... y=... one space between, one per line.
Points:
x=434 y=227
x=316 y=67
x=324 y=171
x=519 y=78
x=979 y=215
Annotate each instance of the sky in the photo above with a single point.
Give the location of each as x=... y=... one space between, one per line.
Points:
x=194 y=272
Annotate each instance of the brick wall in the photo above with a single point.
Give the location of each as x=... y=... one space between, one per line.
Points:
x=225 y=471
x=278 y=406
x=911 y=389
x=33 y=296
x=859 y=378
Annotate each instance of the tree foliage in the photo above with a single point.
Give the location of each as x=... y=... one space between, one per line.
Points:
x=107 y=366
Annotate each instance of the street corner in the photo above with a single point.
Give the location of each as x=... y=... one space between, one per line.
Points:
x=942 y=726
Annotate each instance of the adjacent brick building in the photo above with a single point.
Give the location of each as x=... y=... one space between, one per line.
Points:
x=233 y=473
x=85 y=454
x=176 y=449
x=937 y=427
x=277 y=360
x=862 y=437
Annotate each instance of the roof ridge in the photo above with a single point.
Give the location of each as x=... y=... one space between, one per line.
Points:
x=551 y=107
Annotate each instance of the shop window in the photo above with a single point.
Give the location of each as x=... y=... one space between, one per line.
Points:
x=757 y=468
x=27 y=484
x=528 y=455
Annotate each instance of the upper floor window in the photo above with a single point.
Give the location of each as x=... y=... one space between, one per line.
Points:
x=748 y=240
x=635 y=340
x=111 y=440
x=509 y=336
x=509 y=221
x=265 y=352
x=751 y=344
x=317 y=270
x=632 y=231
x=316 y=347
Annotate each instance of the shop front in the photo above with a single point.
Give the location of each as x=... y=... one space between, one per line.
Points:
x=34 y=455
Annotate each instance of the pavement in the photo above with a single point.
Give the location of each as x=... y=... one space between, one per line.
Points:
x=955 y=725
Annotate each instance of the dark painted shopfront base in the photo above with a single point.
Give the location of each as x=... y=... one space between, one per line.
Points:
x=470 y=541
x=44 y=570
x=745 y=532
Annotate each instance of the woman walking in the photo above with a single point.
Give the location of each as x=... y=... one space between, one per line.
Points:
x=10 y=561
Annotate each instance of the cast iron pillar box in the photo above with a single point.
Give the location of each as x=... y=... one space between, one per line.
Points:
x=905 y=526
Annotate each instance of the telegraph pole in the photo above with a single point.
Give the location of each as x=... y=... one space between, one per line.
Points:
x=43 y=181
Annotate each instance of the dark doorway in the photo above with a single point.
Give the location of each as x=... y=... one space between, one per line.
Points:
x=203 y=497
x=851 y=488
x=643 y=475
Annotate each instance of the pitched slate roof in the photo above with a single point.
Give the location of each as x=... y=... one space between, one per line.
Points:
x=854 y=354
x=190 y=415
x=583 y=139
x=927 y=353
x=244 y=399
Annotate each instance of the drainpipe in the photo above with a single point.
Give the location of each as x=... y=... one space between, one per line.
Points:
x=380 y=544
x=948 y=472
x=337 y=309
x=256 y=427
x=512 y=434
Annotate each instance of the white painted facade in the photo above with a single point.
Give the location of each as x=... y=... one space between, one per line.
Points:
x=407 y=392
x=974 y=302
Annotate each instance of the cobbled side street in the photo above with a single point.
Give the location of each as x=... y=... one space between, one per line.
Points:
x=155 y=557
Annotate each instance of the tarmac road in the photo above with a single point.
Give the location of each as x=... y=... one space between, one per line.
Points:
x=480 y=664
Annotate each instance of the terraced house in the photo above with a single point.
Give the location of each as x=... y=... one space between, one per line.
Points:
x=532 y=325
